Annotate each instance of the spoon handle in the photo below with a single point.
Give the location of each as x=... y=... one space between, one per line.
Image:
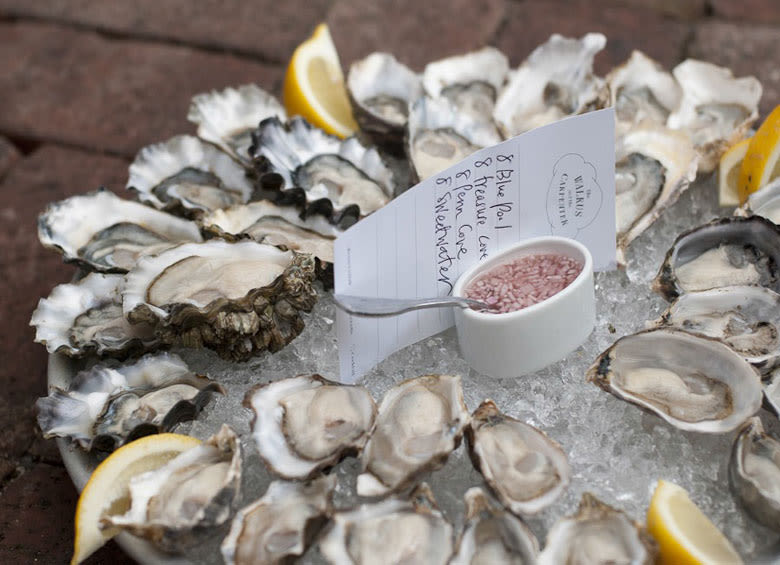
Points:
x=362 y=306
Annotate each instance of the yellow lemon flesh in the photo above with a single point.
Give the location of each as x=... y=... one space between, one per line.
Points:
x=314 y=85
x=107 y=489
x=684 y=534
x=762 y=160
x=728 y=173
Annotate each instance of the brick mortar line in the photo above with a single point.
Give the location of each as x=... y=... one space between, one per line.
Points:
x=38 y=142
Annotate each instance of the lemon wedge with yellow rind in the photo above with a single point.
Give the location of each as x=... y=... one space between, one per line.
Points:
x=314 y=85
x=762 y=160
x=684 y=534
x=728 y=173
x=107 y=489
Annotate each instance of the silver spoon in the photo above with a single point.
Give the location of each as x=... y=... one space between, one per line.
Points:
x=363 y=306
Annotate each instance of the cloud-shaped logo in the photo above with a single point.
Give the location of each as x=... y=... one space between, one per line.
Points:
x=574 y=196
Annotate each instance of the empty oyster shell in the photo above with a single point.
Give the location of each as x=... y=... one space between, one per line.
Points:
x=598 y=533
x=101 y=232
x=227 y=117
x=654 y=166
x=86 y=317
x=694 y=383
x=716 y=108
x=555 y=81
x=281 y=525
x=420 y=422
x=764 y=202
x=334 y=177
x=380 y=89
x=394 y=530
x=306 y=423
x=723 y=252
x=236 y=298
x=492 y=535
x=106 y=406
x=187 y=176
x=754 y=473
x=172 y=506
x=747 y=318
x=524 y=468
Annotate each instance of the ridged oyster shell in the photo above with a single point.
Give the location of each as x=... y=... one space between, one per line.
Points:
x=723 y=252
x=187 y=176
x=412 y=530
x=86 y=317
x=420 y=422
x=236 y=298
x=321 y=172
x=493 y=535
x=104 y=233
x=106 y=406
x=281 y=525
x=598 y=533
x=191 y=494
x=694 y=383
x=306 y=423
x=754 y=473
x=227 y=117
x=526 y=470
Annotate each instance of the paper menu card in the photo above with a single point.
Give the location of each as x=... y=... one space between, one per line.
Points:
x=555 y=180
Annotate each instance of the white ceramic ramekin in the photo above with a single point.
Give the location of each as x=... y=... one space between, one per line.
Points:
x=521 y=342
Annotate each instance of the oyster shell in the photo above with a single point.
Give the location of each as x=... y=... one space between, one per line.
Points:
x=493 y=536
x=335 y=177
x=281 y=525
x=598 y=533
x=524 y=468
x=236 y=298
x=101 y=232
x=187 y=176
x=227 y=117
x=695 y=383
x=306 y=423
x=764 y=202
x=86 y=317
x=106 y=406
x=174 y=505
x=746 y=318
x=716 y=108
x=380 y=90
x=420 y=422
x=395 y=530
x=723 y=252
x=555 y=81
x=754 y=473
x=654 y=166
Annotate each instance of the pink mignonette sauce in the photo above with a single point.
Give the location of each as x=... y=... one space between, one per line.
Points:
x=524 y=281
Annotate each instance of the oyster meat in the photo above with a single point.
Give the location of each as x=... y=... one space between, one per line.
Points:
x=306 y=423
x=694 y=383
x=598 y=533
x=226 y=118
x=106 y=406
x=524 y=468
x=420 y=422
x=395 y=530
x=236 y=298
x=281 y=525
x=493 y=536
x=86 y=317
x=101 y=232
x=198 y=489
x=187 y=176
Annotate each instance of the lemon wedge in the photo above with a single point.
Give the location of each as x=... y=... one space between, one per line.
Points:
x=684 y=534
x=728 y=173
x=107 y=488
x=762 y=160
x=314 y=85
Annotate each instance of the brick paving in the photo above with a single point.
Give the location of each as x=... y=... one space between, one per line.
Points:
x=86 y=83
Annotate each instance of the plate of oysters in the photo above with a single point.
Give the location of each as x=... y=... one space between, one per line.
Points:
x=204 y=307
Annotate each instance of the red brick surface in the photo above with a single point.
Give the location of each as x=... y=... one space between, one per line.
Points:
x=8 y=156
x=759 y=11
